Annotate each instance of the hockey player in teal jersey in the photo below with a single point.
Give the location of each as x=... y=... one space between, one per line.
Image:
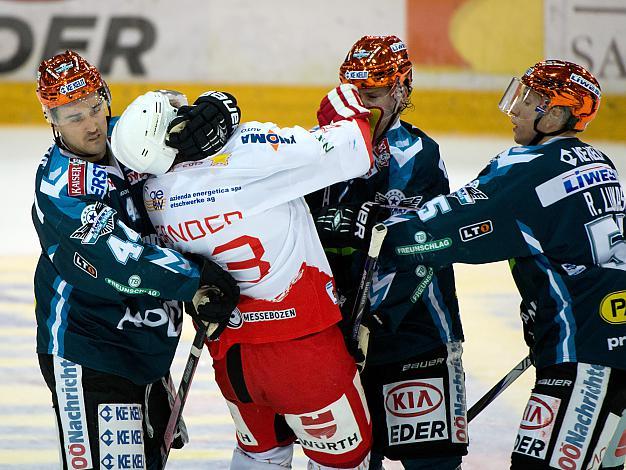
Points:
x=107 y=298
x=555 y=207
x=420 y=337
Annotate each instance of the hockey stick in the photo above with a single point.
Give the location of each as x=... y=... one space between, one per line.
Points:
x=183 y=389
x=498 y=388
x=360 y=334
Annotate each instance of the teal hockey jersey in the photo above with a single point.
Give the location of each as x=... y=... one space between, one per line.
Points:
x=557 y=211
x=106 y=294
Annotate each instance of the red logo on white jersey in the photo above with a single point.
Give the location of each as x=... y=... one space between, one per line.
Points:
x=318 y=426
x=411 y=399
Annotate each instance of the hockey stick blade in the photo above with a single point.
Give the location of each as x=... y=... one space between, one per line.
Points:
x=183 y=389
x=498 y=388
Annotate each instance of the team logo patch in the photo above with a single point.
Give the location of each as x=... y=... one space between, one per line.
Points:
x=397 y=199
x=581 y=417
x=474 y=231
x=85 y=265
x=97 y=220
x=332 y=430
x=121 y=436
x=415 y=411
x=72 y=411
x=236 y=320
x=76 y=177
x=220 y=160
x=64 y=67
x=397 y=47
x=469 y=195
x=421 y=270
x=382 y=153
x=133 y=177
x=613 y=308
x=72 y=86
x=457 y=394
x=268 y=315
x=574 y=181
x=567 y=157
x=536 y=426
x=118 y=286
x=155 y=201
x=271 y=138
x=427 y=247
x=356 y=74
x=97 y=179
x=585 y=84
x=422 y=286
x=361 y=54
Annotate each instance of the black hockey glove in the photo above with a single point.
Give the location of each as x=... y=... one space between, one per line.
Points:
x=201 y=130
x=215 y=300
x=349 y=225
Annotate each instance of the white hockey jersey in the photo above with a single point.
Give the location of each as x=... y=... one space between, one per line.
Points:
x=244 y=209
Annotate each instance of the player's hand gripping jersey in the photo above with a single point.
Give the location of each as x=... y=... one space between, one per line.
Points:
x=244 y=209
x=97 y=280
x=558 y=210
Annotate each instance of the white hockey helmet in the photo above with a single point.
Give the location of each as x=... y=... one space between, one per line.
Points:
x=138 y=139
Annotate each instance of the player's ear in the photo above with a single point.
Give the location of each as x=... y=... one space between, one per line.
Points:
x=557 y=117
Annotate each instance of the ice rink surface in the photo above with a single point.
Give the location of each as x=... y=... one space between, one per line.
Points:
x=486 y=293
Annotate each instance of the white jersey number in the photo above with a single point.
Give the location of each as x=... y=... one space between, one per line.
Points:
x=124 y=249
x=607 y=243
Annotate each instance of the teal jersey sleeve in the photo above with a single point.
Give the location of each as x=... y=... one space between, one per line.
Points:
x=479 y=223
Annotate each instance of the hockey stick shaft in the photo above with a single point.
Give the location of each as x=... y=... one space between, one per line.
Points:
x=498 y=388
x=183 y=389
x=379 y=231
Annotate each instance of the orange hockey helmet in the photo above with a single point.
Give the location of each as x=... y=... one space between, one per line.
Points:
x=569 y=85
x=376 y=61
x=68 y=77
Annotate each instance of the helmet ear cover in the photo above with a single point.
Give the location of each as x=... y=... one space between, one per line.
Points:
x=138 y=138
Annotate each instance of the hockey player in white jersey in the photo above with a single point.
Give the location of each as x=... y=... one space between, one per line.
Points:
x=280 y=360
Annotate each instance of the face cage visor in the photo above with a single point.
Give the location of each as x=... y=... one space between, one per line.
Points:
x=75 y=112
x=528 y=104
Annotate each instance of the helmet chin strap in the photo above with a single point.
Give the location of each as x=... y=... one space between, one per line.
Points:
x=393 y=115
x=539 y=135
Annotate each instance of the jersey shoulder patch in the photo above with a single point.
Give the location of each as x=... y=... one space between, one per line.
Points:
x=85 y=178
